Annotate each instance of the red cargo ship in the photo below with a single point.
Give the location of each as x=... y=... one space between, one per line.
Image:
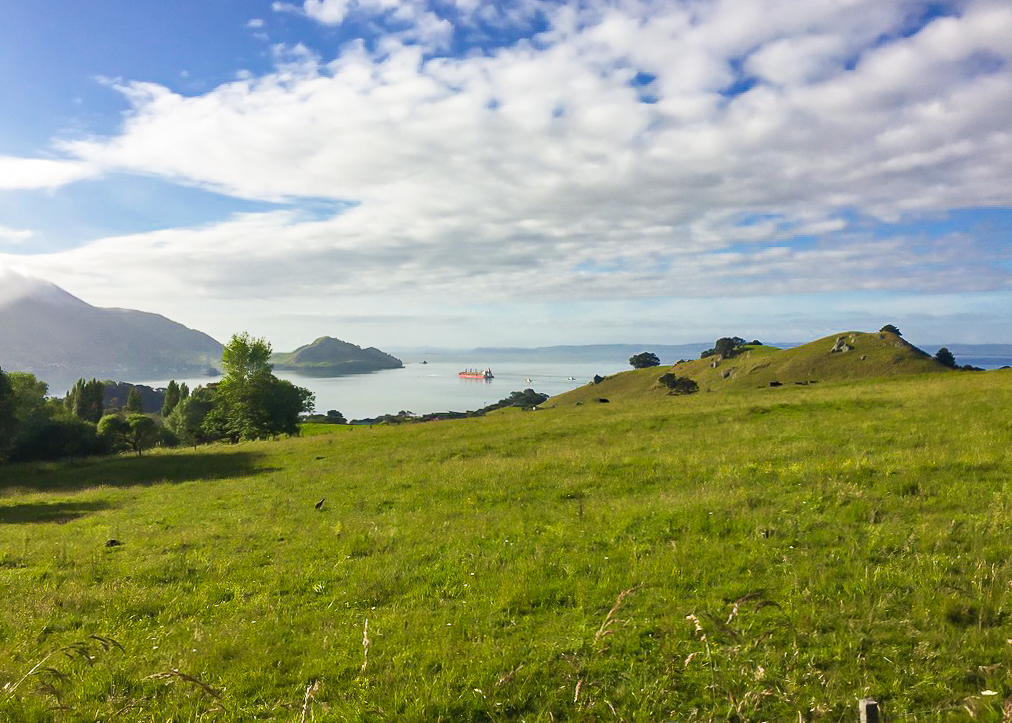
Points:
x=475 y=374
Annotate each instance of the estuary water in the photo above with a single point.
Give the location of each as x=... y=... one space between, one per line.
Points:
x=434 y=387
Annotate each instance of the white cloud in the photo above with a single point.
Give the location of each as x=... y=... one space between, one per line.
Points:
x=539 y=171
x=14 y=235
x=255 y=23
x=40 y=173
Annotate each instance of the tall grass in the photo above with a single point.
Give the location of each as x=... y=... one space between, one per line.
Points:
x=763 y=555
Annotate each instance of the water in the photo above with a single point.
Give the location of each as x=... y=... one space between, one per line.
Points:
x=434 y=387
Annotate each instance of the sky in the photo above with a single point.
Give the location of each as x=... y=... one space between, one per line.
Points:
x=464 y=173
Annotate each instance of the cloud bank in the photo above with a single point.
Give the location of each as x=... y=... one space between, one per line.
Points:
x=606 y=150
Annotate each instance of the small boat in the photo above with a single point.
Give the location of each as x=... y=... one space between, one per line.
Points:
x=528 y=380
x=476 y=374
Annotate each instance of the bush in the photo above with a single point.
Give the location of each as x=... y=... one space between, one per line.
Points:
x=891 y=329
x=944 y=356
x=679 y=385
x=62 y=436
x=644 y=360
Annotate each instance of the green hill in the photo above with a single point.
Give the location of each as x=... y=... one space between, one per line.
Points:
x=858 y=355
x=332 y=357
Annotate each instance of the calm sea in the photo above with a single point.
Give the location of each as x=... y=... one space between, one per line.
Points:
x=434 y=387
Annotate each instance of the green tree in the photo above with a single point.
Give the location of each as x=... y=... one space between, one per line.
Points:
x=136 y=432
x=250 y=402
x=134 y=402
x=8 y=422
x=87 y=400
x=187 y=419
x=172 y=397
x=184 y=391
x=891 y=329
x=246 y=359
x=944 y=356
x=644 y=360
x=726 y=346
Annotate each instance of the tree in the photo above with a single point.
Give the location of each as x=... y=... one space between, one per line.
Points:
x=87 y=400
x=246 y=358
x=43 y=428
x=891 y=329
x=250 y=402
x=187 y=420
x=726 y=346
x=8 y=423
x=134 y=402
x=944 y=356
x=136 y=432
x=285 y=402
x=172 y=396
x=644 y=360
x=335 y=417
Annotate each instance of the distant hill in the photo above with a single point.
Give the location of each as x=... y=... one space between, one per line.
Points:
x=859 y=355
x=618 y=353
x=329 y=357
x=60 y=338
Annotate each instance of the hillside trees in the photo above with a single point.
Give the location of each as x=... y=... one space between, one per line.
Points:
x=725 y=346
x=644 y=360
x=891 y=329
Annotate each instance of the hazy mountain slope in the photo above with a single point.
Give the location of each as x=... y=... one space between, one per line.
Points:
x=327 y=356
x=59 y=337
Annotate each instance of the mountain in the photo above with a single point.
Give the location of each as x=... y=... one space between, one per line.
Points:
x=60 y=338
x=846 y=356
x=330 y=357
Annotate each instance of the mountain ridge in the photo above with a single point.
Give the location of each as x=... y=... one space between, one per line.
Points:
x=58 y=337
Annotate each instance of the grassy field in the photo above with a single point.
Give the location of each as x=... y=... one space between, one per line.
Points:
x=751 y=555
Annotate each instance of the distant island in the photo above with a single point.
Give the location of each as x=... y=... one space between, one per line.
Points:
x=330 y=357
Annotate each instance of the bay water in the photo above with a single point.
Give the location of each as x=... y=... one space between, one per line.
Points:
x=434 y=387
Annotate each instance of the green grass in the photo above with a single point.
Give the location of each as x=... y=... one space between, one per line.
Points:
x=832 y=541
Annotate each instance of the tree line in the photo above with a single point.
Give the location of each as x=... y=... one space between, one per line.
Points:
x=248 y=403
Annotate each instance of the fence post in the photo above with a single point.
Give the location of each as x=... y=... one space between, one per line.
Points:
x=869 y=711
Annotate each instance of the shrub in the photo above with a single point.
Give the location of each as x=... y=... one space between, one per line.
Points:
x=644 y=360
x=944 y=356
x=679 y=385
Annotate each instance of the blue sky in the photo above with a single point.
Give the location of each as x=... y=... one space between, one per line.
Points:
x=460 y=173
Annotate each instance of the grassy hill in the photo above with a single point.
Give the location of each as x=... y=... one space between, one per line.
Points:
x=734 y=557
x=867 y=355
x=327 y=356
